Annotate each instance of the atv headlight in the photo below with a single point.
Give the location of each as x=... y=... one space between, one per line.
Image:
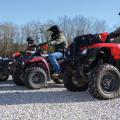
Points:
x=84 y=52
x=23 y=63
x=10 y=63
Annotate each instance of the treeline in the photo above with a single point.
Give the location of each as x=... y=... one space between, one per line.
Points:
x=13 y=37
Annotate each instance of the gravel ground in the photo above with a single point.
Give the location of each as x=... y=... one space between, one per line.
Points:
x=53 y=102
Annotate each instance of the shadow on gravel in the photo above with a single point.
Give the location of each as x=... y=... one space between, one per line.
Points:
x=52 y=93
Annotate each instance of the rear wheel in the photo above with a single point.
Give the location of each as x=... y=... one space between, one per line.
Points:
x=71 y=83
x=105 y=82
x=36 y=78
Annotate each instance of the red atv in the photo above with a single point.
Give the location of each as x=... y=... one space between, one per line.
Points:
x=17 y=56
x=35 y=70
x=97 y=69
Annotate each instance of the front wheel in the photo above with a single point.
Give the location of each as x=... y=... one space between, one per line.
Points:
x=18 y=77
x=36 y=78
x=105 y=82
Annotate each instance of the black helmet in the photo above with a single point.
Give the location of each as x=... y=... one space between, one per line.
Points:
x=56 y=31
x=30 y=40
x=54 y=28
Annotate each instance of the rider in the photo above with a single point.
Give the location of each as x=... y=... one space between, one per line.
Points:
x=31 y=44
x=58 y=40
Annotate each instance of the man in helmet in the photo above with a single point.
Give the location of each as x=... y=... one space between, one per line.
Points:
x=31 y=44
x=58 y=40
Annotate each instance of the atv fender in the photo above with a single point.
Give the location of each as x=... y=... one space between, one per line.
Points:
x=40 y=60
x=94 y=49
x=114 y=48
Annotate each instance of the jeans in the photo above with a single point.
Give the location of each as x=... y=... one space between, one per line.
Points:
x=53 y=59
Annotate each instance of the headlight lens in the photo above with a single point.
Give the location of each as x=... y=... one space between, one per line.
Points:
x=84 y=52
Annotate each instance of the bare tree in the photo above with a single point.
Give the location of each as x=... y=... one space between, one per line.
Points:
x=9 y=34
x=81 y=25
x=66 y=26
x=73 y=27
x=13 y=37
x=99 y=26
x=30 y=29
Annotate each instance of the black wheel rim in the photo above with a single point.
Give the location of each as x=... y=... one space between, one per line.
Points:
x=37 y=78
x=109 y=82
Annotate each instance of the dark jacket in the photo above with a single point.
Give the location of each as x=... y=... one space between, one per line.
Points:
x=60 y=43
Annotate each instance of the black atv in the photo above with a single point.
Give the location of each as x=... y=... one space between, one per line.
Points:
x=96 y=68
x=4 y=68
